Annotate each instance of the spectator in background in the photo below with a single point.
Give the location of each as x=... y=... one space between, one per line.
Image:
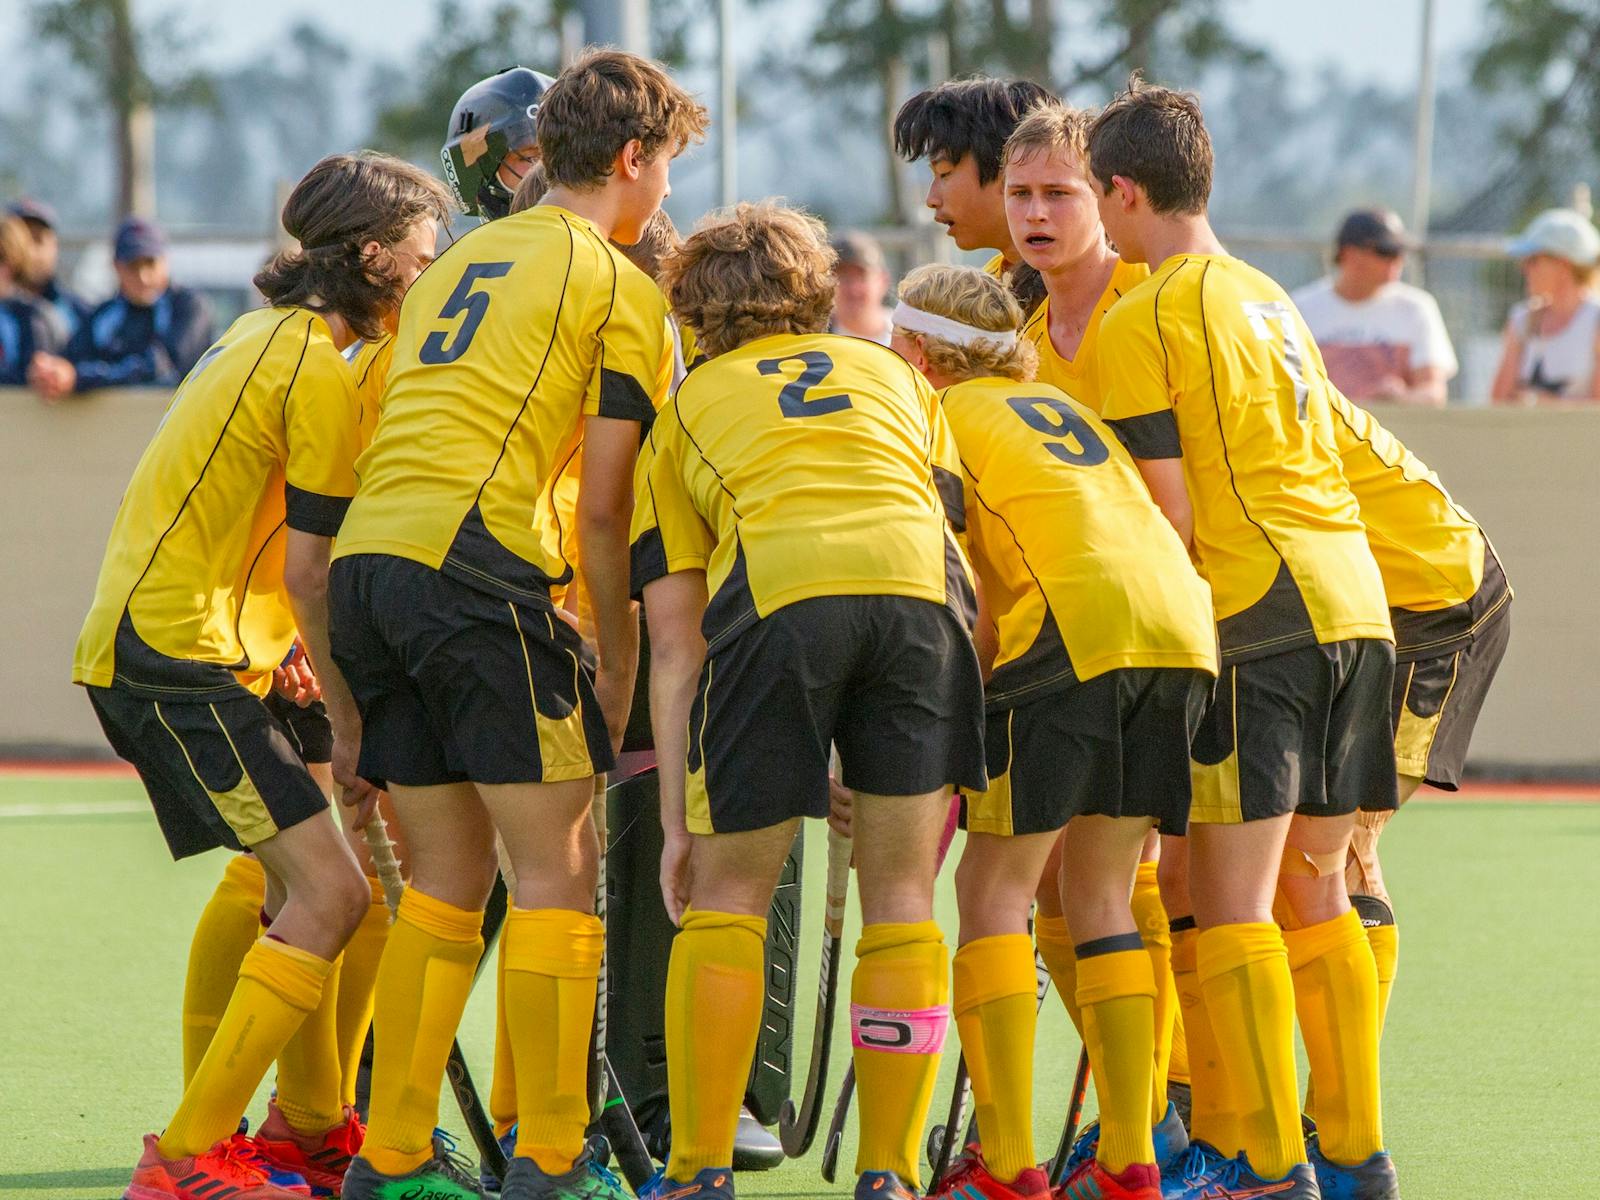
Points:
x=26 y=325
x=1380 y=339
x=40 y=278
x=862 y=282
x=1551 y=349
x=148 y=335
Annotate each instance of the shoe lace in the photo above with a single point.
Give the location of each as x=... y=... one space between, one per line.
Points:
x=450 y=1162
x=603 y=1181
x=1197 y=1161
x=238 y=1160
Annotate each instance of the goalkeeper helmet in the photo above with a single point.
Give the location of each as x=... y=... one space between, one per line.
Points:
x=493 y=118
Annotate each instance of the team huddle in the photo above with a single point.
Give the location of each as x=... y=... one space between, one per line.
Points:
x=1092 y=550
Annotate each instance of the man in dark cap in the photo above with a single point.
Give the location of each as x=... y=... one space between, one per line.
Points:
x=148 y=335
x=39 y=279
x=1381 y=339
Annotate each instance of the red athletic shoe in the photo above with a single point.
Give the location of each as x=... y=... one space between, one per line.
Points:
x=1091 y=1181
x=969 y=1178
x=220 y=1171
x=321 y=1158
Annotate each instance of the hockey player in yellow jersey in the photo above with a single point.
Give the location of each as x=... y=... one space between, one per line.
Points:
x=1451 y=608
x=217 y=560
x=1099 y=635
x=1055 y=225
x=529 y=333
x=792 y=540
x=1213 y=382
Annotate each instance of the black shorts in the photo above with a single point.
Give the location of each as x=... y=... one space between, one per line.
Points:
x=1116 y=745
x=890 y=681
x=455 y=685
x=1437 y=701
x=219 y=773
x=308 y=729
x=1302 y=731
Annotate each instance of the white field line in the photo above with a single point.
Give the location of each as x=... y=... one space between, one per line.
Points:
x=104 y=808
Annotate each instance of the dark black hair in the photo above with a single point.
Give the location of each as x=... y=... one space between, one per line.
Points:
x=965 y=116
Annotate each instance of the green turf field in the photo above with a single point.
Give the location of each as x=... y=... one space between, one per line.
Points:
x=1492 y=1055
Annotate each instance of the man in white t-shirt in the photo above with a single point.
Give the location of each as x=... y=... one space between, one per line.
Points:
x=1381 y=339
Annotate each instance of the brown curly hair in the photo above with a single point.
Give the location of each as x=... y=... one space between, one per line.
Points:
x=342 y=204
x=751 y=271
x=975 y=298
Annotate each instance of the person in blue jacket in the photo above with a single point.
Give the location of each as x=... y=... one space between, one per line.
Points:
x=41 y=279
x=26 y=325
x=148 y=335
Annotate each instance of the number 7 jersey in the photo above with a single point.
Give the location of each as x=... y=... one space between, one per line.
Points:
x=1208 y=361
x=522 y=327
x=799 y=466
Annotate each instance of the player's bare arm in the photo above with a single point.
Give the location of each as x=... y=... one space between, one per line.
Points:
x=605 y=508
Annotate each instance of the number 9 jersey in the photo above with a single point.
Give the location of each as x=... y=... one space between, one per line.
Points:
x=799 y=466
x=1081 y=571
x=1208 y=361
x=524 y=325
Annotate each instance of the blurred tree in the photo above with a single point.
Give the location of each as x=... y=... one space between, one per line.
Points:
x=106 y=42
x=1547 y=54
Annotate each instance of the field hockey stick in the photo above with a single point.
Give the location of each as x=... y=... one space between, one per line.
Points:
x=1069 y=1131
x=797 y=1128
x=479 y=1127
x=599 y=1078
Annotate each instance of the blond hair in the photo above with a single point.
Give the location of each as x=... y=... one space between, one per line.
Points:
x=604 y=100
x=16 y=247
x=751 y=271
x=1051 y=128
x=974 y=298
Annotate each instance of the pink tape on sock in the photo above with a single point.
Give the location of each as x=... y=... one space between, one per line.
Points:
x=899 y=1031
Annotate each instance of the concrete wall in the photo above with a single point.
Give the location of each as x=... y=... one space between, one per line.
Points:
x=1532 y=476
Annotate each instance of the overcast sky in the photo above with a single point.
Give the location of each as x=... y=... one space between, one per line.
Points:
x=1368 y=40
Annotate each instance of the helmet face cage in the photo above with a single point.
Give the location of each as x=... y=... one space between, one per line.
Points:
x=492 y=119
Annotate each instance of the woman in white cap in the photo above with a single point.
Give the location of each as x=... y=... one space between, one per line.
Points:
x=1552 y=339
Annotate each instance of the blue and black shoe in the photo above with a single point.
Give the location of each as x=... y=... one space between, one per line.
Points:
x=508 y=1147
x=713 y=1183
x=1233 y=1179
x=1374 y=1179
x=1169 y=1135
x=588 y=1179
x=1197 y=1161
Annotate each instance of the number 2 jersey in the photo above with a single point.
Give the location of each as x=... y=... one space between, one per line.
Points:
x=1082 y=572
x=1208 y=360
x=521 y=328
x=798 y=466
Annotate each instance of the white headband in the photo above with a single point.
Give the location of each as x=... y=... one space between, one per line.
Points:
x=962 y=334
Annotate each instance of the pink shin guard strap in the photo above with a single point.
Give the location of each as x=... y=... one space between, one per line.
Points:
x=898 y=1030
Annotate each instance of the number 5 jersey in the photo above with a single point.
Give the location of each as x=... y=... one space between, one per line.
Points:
x=521 y=328
x=798 y=466
x=1208 y=361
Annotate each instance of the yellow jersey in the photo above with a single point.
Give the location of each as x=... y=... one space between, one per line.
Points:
x=799 y=466
x=1079 y=376
x=370 y=361
x=1208 y=360
x=1440 y=573
x=1080 y=569
x=996 y=266
x=261 y=435
x=520 y=329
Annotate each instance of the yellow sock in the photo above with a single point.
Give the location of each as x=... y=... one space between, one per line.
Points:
x=503 y=1084
x=278 y=985
x=1116 y=992
x=1178 y=1062
x=1385 y=943
x=423 y=983
x=309 y=1067
x=228 y=926
x=899 y=1014
x=358 y=975
x=715 y=992
x=996 y=1012
x=552 y=961
x=1055 y=947
x=1213 y=1117
x=1336 y=996
x=1151 y=917
x=1249 y=996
